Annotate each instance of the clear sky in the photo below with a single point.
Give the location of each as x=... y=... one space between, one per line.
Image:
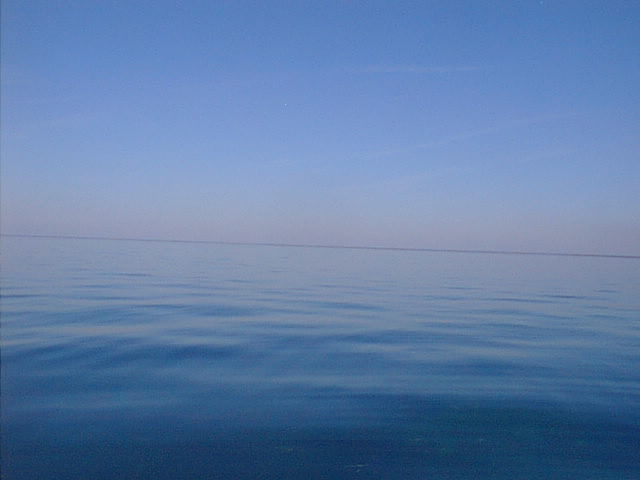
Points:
x=474 y=124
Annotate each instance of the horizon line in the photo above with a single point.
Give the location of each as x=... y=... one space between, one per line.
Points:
x=310 y=245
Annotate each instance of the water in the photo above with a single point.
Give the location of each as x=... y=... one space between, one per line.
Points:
x=155 y=360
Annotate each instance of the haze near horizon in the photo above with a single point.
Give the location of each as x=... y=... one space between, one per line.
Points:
x=495 y=125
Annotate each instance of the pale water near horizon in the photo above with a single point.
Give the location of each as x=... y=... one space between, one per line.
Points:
x=153 y=360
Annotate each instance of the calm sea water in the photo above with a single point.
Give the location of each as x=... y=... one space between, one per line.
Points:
x=153 y=360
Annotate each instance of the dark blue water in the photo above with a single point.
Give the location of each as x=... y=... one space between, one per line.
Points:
x=152 y=360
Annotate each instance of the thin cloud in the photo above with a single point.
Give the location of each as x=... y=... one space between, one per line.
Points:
x=421 y=69
x=12 y=75
x=472 y=134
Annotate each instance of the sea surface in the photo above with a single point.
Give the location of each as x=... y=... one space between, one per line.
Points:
x=161 y=360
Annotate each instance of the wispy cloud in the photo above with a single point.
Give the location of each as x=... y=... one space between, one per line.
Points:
x=12 y=75
x=456 y=137
x=426 y=69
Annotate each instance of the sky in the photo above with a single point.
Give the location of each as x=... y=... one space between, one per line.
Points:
x=490 y=125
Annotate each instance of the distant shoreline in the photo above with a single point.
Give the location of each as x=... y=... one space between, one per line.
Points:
x=352 y=247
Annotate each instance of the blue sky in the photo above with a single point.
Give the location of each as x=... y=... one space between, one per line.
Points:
x=507 y=125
